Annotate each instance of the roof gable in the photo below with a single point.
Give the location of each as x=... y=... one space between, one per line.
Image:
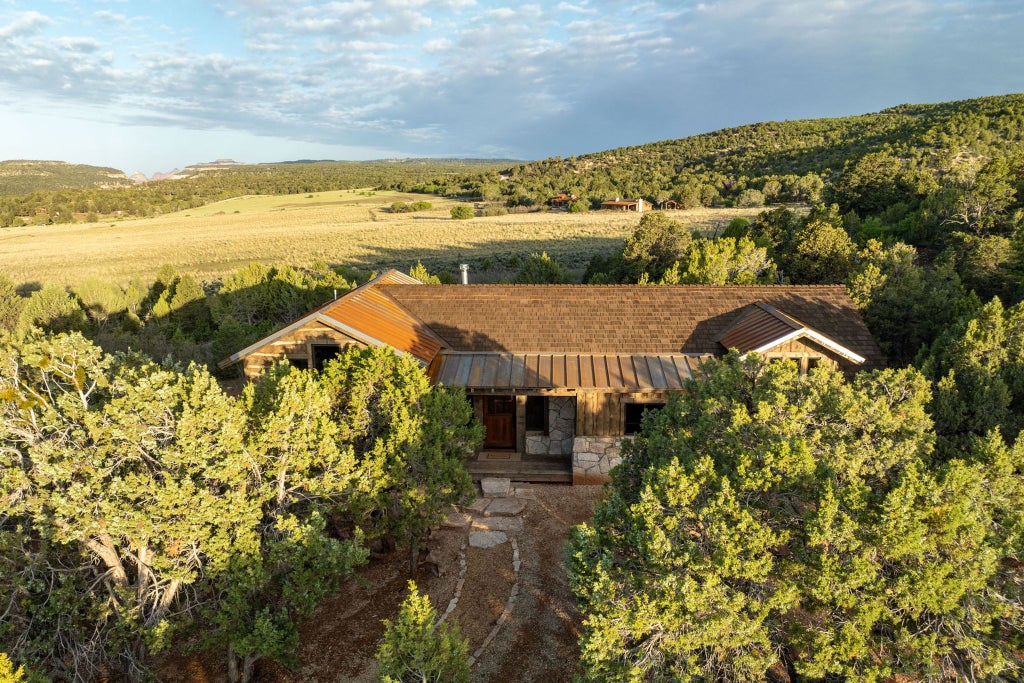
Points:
x=761 y=327
x=366 y=314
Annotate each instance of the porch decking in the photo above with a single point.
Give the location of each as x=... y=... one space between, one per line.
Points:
x=521 y=467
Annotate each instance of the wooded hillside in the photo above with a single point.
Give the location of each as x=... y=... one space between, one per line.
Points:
x=780 y=160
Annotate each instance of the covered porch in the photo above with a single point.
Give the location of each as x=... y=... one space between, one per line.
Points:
x=558 y=417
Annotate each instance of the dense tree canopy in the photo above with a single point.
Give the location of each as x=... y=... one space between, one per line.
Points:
x=144 y=504
x=771 y=524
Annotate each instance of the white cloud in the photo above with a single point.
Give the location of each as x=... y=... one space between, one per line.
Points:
x=447 y=76
x=25 y=23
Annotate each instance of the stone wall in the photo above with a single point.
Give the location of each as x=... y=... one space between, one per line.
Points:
x=561 y=429
x=593 y=457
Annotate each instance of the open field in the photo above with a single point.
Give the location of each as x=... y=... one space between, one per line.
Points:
x=348 y=227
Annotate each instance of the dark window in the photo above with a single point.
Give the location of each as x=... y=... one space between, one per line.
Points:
x=635 y=414
x=500 y=405
x=813 y=362
x=300 y=363
x=537 y=413
x=323 y=353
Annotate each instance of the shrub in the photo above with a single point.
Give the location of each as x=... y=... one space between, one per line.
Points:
x=415 y=650
x=462 y=212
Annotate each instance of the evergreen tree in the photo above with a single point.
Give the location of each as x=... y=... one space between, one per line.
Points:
x=767 y=520
x=415 y=650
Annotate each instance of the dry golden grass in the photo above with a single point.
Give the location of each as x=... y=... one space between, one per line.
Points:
x=347 y=227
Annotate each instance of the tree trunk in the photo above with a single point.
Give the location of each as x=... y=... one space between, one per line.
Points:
x=243 y=675
x=247 y=667
x=232 y=666
x=104 y=548
x=414 y=554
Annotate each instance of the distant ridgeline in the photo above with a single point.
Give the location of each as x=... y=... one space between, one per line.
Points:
x=43 y=192
x=21 y=177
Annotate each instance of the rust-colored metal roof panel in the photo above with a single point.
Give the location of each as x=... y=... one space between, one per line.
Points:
x=375 y=314
x=757 y=326
x=538 y=371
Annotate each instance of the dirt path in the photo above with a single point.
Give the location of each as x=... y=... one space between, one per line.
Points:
x=539 y=641
x=536 y=641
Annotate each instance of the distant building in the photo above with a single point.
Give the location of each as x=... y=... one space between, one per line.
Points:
x=624 y=205
x=562 y=200
x=670 y=204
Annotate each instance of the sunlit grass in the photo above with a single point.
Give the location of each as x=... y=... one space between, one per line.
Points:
x=349 y=227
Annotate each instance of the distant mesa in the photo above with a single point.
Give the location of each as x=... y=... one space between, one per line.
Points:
x=169 y=175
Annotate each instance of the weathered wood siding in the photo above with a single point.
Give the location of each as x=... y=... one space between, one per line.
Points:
x=602 y=414
x=801 y=350
x=298 y=345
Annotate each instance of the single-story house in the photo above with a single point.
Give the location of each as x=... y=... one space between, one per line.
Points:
x=559 y=374
x=618 y=204
x=562 y=199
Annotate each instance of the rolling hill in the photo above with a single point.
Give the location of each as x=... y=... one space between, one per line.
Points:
x=24 y=176
x=716 y=167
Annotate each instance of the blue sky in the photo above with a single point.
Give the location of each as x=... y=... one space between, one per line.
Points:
x=153 y=85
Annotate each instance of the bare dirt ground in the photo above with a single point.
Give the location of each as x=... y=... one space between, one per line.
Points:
x=538 y=642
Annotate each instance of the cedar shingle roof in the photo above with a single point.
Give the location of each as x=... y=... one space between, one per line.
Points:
x=621 y=319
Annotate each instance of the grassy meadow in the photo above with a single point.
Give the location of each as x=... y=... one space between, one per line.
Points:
x=348 y=227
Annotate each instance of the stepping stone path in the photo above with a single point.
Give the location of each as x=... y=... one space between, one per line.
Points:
x=495 y=487
x=491 y=520
x=504 y=507
x=507 y=524
x=486 y=539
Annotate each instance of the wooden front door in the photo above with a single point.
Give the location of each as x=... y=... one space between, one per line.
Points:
x=499 y=422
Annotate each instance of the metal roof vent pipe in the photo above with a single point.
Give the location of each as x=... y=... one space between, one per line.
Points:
x=464 y=269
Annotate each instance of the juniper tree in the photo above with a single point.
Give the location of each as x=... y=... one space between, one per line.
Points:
x=769 y=521
x=118 y=472
x=417 y=650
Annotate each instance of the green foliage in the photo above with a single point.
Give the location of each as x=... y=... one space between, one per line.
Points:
x=578 y=206
x=766 y=519
x=977 y=366
x=52 y=309
x=822 y=253
x=420 y=272
x=895 y=156
x=722 y=261
x=416 y=651
x=878 y=180
x=123 y=469
x=21 y=176
x=8 y=674
x=905 y=305
x=657 y=243
x=410 y=440
x=540 y=269
x=989 y=265
x=10 y=305
x=204 y=185
x=750 y=197
x=462 y=212
x=141 y=500
x=403 y=207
